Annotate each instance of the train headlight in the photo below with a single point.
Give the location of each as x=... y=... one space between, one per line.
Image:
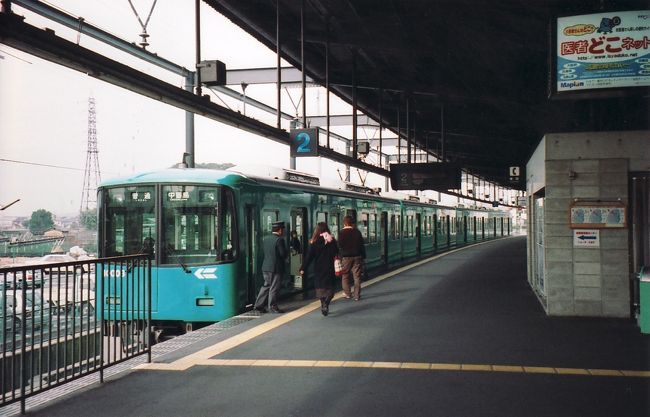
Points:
x=205 y=302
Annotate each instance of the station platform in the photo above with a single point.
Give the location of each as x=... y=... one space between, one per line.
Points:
x=461 y=334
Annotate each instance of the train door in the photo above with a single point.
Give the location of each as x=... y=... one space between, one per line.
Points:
x=251 y=254
x=334 y=223
x=297 y=245
x=383 y=237
x=418 y=229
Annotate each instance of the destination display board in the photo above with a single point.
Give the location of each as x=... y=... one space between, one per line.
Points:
x=439 y=176
x=598 y=215
x=603 y=51
x=190 y=194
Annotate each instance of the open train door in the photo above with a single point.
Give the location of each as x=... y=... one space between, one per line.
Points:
x=383 y=237
x=251 y=254
x=418 y=237
x=297 y=246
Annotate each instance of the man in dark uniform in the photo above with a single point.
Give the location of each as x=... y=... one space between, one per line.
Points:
x=275 y=255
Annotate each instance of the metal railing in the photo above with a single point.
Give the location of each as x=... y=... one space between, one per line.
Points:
x=60 y=322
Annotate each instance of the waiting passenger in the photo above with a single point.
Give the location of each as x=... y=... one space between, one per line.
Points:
x=353 y=254
x=322 y=250
x=296 y=245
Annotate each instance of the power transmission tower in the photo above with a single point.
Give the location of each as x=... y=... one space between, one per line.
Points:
x=92 y=175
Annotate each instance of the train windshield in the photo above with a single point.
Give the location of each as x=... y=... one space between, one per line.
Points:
x=129 y=219
x=195 y=224
x=198 y=225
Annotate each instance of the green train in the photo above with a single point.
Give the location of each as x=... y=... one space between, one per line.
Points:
x=205 y=229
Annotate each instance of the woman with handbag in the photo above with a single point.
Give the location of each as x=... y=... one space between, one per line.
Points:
x=322 y=251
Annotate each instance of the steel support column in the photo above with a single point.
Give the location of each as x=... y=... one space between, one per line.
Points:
x=408 y=129
x=327 y=78
x=197 y=24
x=189 y=121
x=303 y=81
x=302 y=63
x=399 y=132
x=354 y=106
x=279 y=69
x=442 y=133
x=189 y=124
x=381 y=123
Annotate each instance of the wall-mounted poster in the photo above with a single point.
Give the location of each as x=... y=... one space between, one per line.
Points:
x=589 y=215
x=603 y=50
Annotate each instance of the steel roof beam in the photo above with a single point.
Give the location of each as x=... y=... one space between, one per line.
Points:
x=80 y=25
x=341 y=120
x=14 y=32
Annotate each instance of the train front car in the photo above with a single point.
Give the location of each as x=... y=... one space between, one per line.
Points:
x=186 y=220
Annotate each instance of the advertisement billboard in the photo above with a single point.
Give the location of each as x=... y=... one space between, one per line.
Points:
x=602 y=51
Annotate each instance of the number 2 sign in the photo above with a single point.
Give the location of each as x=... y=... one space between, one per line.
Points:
x=304 y=142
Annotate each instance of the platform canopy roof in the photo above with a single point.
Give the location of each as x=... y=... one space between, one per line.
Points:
x=476 y=70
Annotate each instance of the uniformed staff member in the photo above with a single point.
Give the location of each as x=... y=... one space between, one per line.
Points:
x=275 y=255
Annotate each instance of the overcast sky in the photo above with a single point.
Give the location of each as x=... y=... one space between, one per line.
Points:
x=44 y=106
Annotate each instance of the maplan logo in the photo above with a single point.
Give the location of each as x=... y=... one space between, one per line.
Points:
x=571 y=84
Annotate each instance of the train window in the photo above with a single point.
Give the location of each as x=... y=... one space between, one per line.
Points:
x=372 y=228
x=268 y=218
x=412 y=226
x=228 y=240
x=198 y=225
x=129 y=220
x=352 y=213
x=398 y=226
x=392 y=226
x=321 y=217
x=334 y=224
x=408 y=222
x=363 y=226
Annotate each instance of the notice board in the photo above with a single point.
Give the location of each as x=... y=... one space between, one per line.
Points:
x=598 y=215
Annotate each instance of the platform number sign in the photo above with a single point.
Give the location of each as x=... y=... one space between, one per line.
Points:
x=304 y=142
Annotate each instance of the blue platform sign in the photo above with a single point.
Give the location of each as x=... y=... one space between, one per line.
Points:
x=304 y=142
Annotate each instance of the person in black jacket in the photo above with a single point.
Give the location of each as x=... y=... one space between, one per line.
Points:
x=275 y=255
x=353 y=254
x=321 y=252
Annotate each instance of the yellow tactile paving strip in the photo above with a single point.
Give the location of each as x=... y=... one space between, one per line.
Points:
x=203 y=357
x=459 y=367
x=423 y=366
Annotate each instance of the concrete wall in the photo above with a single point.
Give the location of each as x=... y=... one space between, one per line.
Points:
x=586 y=281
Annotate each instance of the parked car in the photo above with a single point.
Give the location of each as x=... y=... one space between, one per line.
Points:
x=50 y=267
x=30 y=277
x=36 y=314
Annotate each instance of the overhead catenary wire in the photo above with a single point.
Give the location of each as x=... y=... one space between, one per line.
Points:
x=46 y=165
